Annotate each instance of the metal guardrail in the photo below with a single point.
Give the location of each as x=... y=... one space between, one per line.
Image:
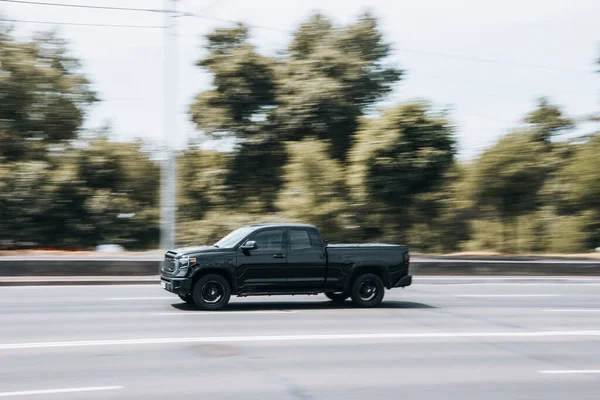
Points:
x=82 y=266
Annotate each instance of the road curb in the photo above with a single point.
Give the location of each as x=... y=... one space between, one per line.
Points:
x=78 y=280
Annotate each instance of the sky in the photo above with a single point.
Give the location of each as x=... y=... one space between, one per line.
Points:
x=486 y=61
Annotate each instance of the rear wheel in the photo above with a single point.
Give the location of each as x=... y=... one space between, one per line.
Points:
x=368 y=290
x=211 y=292
x=187 y=298
x=337 y=297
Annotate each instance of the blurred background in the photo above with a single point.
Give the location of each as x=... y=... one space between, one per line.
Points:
x=450 y=127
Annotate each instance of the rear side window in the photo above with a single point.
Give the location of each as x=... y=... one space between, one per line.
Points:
x=315 y=238
x=299 y=239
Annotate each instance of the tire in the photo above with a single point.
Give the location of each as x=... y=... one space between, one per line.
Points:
x=337 y=297
x=367 y=291
x=188 y=298
x=212 y=292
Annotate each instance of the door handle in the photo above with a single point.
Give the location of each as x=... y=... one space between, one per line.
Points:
x=279 y=256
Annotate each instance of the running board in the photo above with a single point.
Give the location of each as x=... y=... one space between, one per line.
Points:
x=246 y=294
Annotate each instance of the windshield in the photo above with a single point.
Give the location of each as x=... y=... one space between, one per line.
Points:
x=234 y=237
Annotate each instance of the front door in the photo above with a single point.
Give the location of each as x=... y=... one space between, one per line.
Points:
x=263 y=268
x=306 y=260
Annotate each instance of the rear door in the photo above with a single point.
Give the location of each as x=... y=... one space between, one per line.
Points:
x=305 y=259
x=264 y=267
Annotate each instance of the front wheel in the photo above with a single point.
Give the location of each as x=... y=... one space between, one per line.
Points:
x=211 y=292
x=368 y=290
x=337 y=297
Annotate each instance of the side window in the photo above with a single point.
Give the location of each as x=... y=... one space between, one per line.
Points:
x=299 y=239
x=271 y=239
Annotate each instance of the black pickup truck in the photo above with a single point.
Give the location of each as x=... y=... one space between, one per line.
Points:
x=283 y=259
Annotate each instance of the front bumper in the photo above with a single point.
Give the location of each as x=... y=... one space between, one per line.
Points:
x=404 y=281
x=176 y=285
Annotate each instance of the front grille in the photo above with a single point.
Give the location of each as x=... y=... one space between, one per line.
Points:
x=169 y=264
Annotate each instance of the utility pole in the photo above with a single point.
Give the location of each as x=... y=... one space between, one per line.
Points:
x=168 y=187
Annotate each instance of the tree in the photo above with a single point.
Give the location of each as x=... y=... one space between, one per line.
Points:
x=582 y=176
x=244 y=90
x=315 y=190
x=547 y=121
x=120 y=184
x=201 y=184
x=244 y=84
x=399 y=155
x=255 y=174
x=329 y=78
x=439 y=220
x=510 y=174
x=43 y=96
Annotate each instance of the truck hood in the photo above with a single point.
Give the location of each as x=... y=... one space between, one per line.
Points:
x=197 y=250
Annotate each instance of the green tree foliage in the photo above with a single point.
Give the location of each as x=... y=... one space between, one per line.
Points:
x=244 y=84
x=120 y=184
x=244 y=88
x=580 y=190
x=547 y=121
x=582 y=176
x=510 y=174
x=320 y=87
x=43 y=96
x=202 y=175
x=329 y=78
x=315 y=190
x=438 y=220
x=309 y=147
x=399 y=156
x=106 y=192
x=255 y=175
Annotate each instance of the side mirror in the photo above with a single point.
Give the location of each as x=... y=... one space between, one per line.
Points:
x=249 y=245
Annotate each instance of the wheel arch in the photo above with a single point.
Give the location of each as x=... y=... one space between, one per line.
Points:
x=228 y=275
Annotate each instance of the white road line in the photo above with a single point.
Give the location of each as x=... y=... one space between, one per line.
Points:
x=142 y=298
x=293 y=338
x=572 y=371
x=516 y=284
x=66 y=390
x=574 y=310
x=210 y=313
x=507 y=295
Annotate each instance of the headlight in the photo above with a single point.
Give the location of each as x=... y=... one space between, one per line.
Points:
x=184 y=261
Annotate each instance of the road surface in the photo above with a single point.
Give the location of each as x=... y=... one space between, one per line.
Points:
x=431 y=341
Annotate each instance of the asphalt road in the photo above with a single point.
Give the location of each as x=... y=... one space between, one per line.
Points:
x=431 y=341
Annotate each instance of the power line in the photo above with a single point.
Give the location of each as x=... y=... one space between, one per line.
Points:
x=209 y=18
x=416 y=51
x=229 y=21
x=490 y=61
x=82 y=24
x=210 y=5
x=43 y=3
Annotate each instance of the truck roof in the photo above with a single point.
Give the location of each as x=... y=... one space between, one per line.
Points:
x=282 y=224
